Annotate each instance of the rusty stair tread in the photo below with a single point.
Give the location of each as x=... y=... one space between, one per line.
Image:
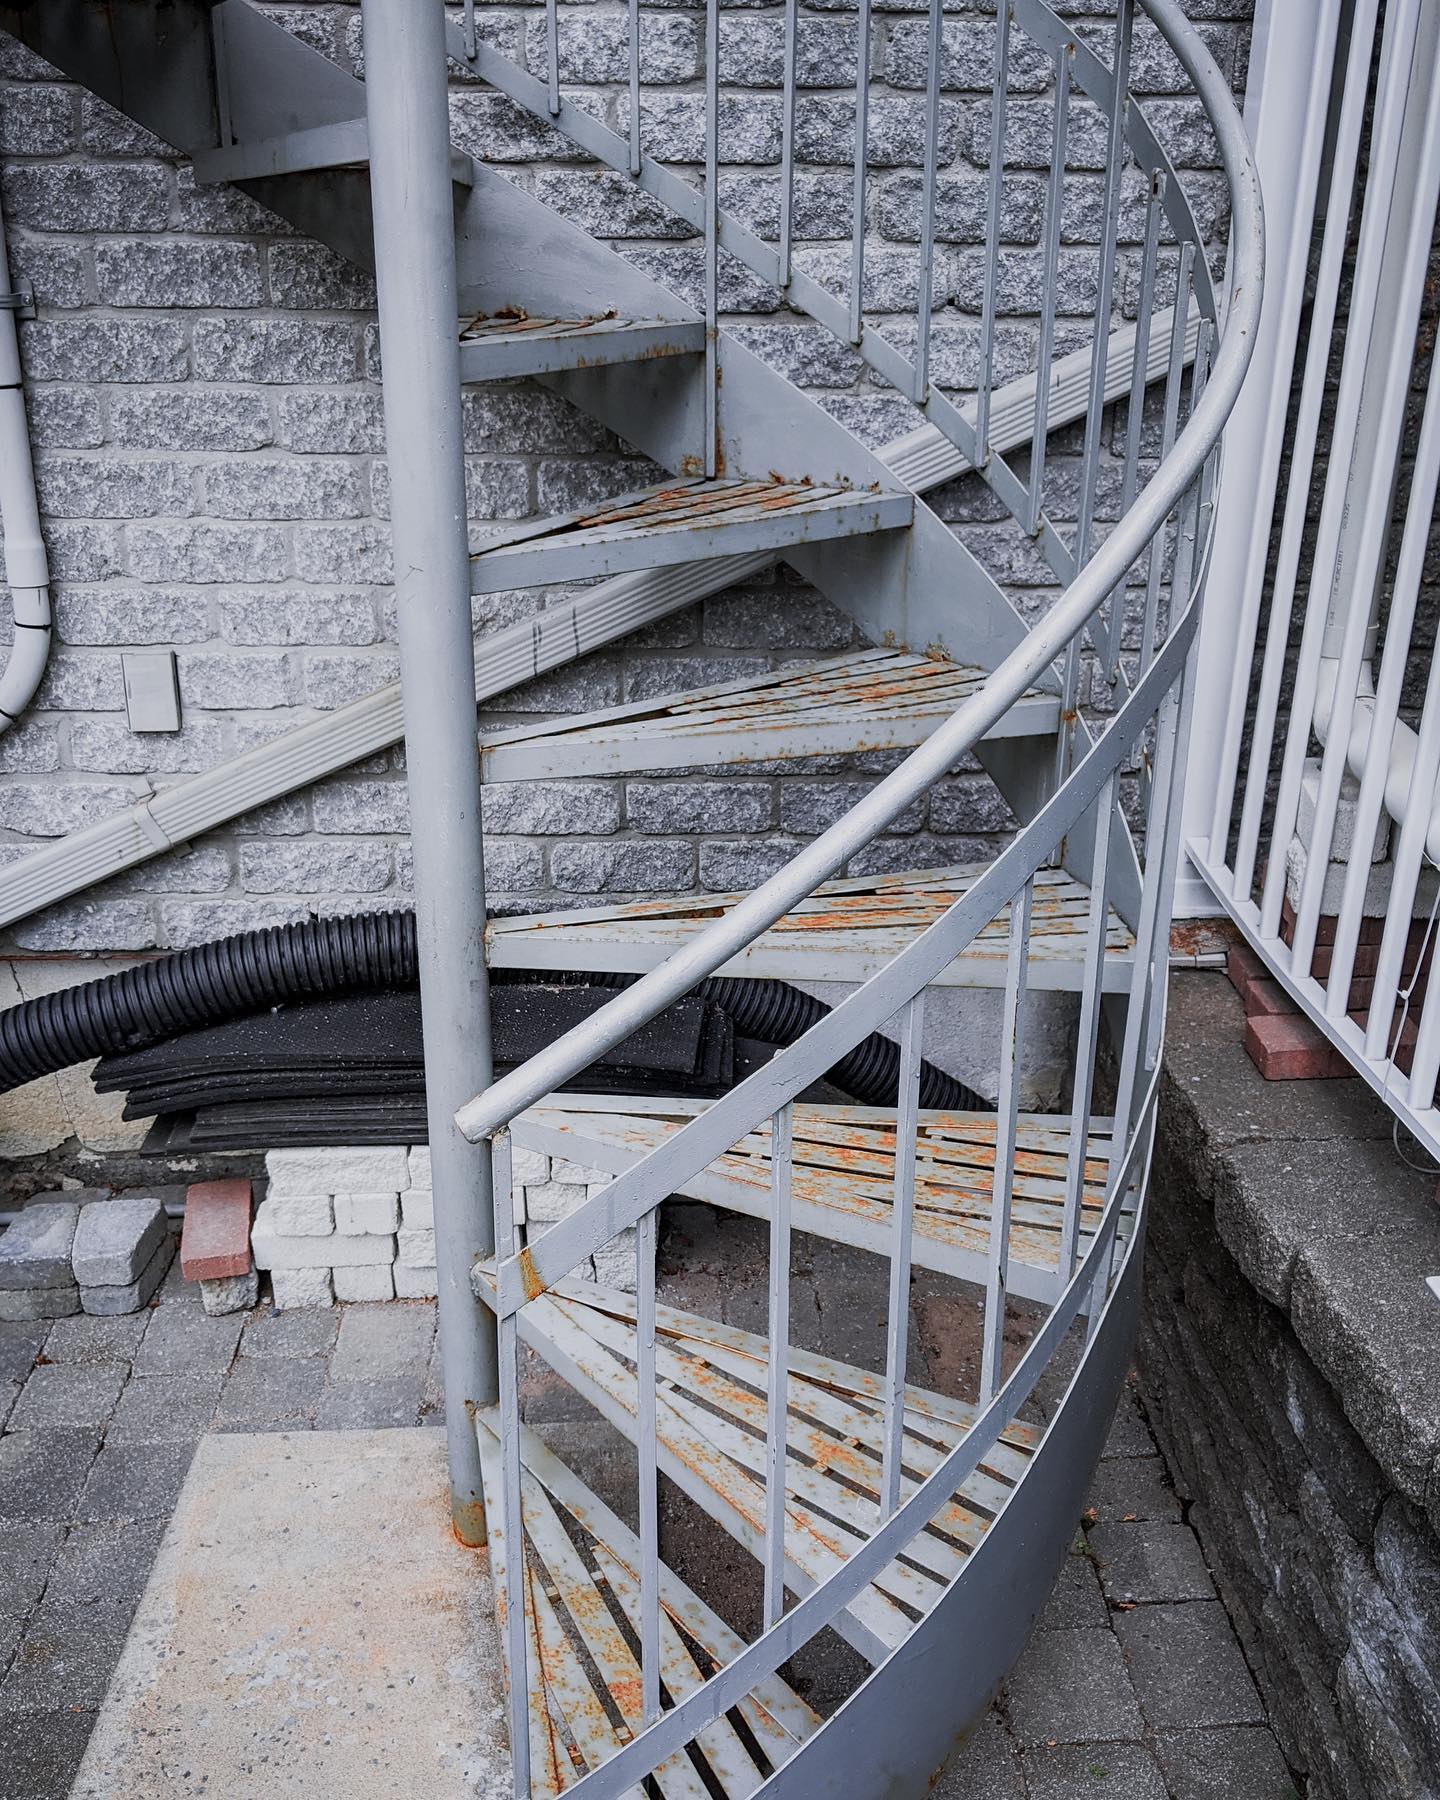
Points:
x=711 y=1420
x=582 y=1594
x=505 y=345
x=842 y=1183
x=871 y=699
x=682 y=520
x=846 y=931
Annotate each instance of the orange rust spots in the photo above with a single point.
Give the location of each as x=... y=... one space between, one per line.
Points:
x=533 y=1285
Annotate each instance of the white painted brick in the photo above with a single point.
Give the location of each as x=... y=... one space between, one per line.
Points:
x=412 y=1283
x=273 y=1250
x=552 y=1200
x=301 y=1287
x=367 y=1281
x=356 y=1214
x=615 y=1264
x=417 y=1248
x=529 y=1167
x=419 y=1163
x=295 y=1215
x=358 y=1171
x=584 y=1173
x=417 y=1209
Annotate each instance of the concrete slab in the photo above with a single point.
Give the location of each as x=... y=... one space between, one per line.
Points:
x=311 y=1626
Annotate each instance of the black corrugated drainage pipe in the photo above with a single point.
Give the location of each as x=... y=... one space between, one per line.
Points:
x=254 y=969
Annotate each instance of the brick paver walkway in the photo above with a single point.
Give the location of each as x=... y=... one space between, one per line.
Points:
x=1134 y=1687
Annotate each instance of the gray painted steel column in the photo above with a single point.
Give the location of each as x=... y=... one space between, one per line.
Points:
x=405 y=101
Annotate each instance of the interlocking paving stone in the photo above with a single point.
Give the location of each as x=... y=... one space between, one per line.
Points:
x=262 y=1394
x=296 y=1333
x=40 y=1755
x=1187 y=1666
x=1150 y=1561
x=20 y=1344
x=108 y=1300
x=9 y=1394
x=26 y=1554
x=164 y=1409
x=116 y=1239
x=88 y=1339
x=377 y=1342
x=180 y=1338
x=39 y=1303
x=1072 y=1687
x=1076 y=1599
x=370 y=1405
x=58 y=1394
x=1134 y=1487
x=985 y=1767
x=135 y=1481
x=66 y=1656
x=35 y=1250
x=1106 y=1771
x=41 y=1472
x=104 y=1561
x=1238 y=1763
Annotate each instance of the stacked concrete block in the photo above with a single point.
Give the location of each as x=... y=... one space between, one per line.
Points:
x=37 y=1278
x=121 y=1251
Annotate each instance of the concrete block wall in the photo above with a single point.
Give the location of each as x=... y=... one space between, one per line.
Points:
x=210 y=455
x=359 y=1224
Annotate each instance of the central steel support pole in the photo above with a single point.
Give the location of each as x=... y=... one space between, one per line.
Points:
x=406 y=108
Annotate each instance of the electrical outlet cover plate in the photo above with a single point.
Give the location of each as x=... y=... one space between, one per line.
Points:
x=152 y=693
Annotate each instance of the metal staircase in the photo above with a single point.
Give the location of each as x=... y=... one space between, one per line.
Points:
x=926 y=1529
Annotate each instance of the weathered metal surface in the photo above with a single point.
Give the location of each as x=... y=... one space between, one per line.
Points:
x=845 y=931
x=682 y=521
x=501 y=347
x=864 y=700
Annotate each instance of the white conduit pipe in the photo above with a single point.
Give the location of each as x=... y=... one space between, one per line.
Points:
x=26 y=567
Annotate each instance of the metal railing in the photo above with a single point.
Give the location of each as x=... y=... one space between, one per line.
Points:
x=1157 y=551
x=1322 y=833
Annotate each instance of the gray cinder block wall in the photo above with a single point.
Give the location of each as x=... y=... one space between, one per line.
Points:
x=211 y=458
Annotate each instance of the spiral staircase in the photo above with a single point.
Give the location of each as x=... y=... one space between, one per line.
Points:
x=925 y=1529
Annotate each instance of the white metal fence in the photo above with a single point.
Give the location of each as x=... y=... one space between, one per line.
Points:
x=1313 y=818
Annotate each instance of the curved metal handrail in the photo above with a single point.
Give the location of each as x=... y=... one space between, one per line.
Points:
x=819 y=861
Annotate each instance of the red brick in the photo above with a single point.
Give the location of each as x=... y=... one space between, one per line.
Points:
x=1267 y=999
x=1243 y=967
x=1287 y=1047
x=215 y=1241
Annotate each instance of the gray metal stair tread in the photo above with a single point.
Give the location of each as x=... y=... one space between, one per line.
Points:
x=507 y=345
x=335 y=144
x=582 y=1598
x=711 y=1414
x=845 y=931
x=863 y=700
x=684 y=520
x=843 y=1181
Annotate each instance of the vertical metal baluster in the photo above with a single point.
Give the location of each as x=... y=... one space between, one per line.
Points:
x=1087 y=1036
x=647 y=1458
x=470 y=35
x=862 y=132
x=1095 y=409
x=552 y=53
x=1136 y=404
x=635 y=156
x=787 y=142
x=927 y=221
x=1007 y=1112
x=778 y=1376
x=1174 y=376
x=511 y=1516
x=1054 y=204
x=907 y=1126
x=992 y=231
x=712 y=228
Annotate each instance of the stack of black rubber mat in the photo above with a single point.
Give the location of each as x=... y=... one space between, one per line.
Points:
x=349 y=1070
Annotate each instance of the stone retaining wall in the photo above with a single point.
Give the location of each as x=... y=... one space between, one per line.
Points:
x=1288 y=1360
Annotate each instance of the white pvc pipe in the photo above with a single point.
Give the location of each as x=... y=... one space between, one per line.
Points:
x=26 y=568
